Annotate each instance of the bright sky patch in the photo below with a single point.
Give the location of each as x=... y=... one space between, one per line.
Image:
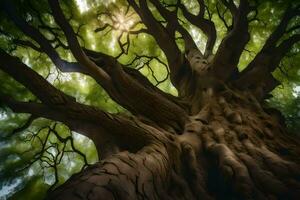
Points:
x=82 y=5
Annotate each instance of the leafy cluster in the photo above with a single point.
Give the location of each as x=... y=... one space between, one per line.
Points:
x=37 y=154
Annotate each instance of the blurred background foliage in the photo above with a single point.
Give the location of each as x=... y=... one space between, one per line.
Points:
x=27 y=172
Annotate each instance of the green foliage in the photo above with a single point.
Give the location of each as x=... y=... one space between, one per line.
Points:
x=20 y=181
x=34 y=189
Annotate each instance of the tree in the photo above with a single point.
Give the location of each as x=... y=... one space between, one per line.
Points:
x=215 y=140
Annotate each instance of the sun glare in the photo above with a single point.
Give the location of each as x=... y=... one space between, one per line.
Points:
x=82 y=5
x=296 y=91
x=122 y=23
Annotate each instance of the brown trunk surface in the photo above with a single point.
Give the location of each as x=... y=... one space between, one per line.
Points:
x=231 y=149
x=216 y=140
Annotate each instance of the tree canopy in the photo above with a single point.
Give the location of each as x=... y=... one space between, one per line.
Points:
x=38 y=153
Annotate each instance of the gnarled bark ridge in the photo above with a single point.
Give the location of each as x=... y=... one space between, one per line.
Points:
x=216 y=140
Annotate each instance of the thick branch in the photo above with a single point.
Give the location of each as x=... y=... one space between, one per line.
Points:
x=31 y=80
x=271 y=42
x=127 y=134
x=36 y=109
x=205 y=25
x=231 y=6
x=44 y=44
x=281 y=28
x=58 y=106
x=134 y=92
x=232 y=46
x=164 y=39
x=265 y=63
x=85 y=119
x=124 y=89
x=140 y=100
x=268 y=59
x=101 y=76
x=173 y=25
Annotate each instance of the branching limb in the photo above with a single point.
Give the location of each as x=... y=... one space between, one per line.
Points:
x=44 y=44
x=232 y=46
x=36 y=109
x=110 y=64
x=136 y=74
x=114 y=70
x=51 y=96
x=221 y=16
x=129 y=134
x=57 y=105
x=165 y=111
x=173 y=24
x=207 y=26
x=51 y=152
x=281 y=28
x=27 y=43
x=120 y=89
x=163 y=37
x=25 y=126
x=135 y=93
x=32 y=80
x=71 y=139
x=101 y=76
x=60 y=107
x=269 y=58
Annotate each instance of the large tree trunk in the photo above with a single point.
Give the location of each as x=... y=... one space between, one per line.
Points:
x=216 y=140
x=232 y=148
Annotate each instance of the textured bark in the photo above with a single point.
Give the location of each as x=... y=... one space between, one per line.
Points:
x=231 y=149
x=216 y=140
